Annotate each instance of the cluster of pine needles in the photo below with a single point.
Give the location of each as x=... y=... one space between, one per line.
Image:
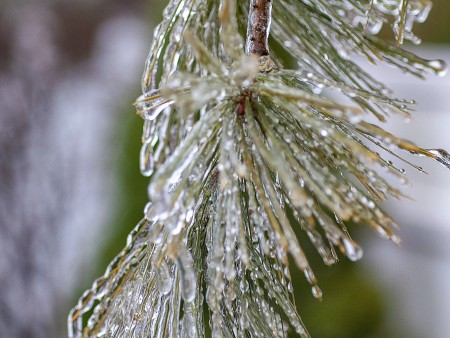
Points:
x=247 y=159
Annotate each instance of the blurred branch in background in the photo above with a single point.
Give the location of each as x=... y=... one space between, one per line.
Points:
x=65 y=69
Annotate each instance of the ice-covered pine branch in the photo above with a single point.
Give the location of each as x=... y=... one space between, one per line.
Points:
x=247 y=159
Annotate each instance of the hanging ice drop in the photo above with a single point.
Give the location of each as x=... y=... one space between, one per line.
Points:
x=442 y=156
x=438 y=66
x=352 y=250
x=163 y=278
x=187 y=276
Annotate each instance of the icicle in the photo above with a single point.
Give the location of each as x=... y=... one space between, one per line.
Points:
x=188 y=325
x=187 y=275
x=163 y=278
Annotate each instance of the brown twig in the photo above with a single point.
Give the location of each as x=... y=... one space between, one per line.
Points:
x=258 y=28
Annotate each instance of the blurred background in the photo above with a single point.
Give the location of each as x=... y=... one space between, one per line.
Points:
x=70 y=187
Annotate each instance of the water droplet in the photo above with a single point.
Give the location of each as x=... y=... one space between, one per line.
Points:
x=442 y=156
x=438 y=66
x=396 y=239
x=352 y=250
x=324 y=133
x=287 y=43
x=241 y=170
x=163 y=278
x=188 y=281
x=147 y=208
x=317 y=292
x=289 y=287
x=374 y=26
x=310 y=277
x=383 y=231
x=146 y=161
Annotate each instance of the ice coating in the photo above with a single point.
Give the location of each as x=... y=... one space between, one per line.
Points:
x=243 y=156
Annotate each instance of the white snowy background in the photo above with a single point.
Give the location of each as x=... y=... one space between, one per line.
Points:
x=417 y=275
